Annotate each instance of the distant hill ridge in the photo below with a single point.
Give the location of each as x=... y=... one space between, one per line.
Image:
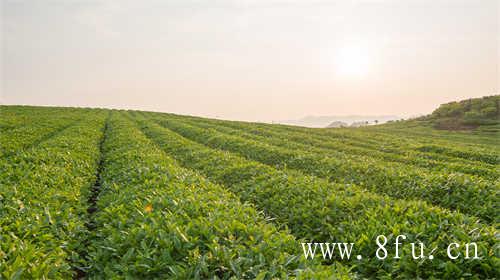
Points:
x=324 y=121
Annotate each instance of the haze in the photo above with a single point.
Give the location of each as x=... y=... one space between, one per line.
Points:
x=250 y=60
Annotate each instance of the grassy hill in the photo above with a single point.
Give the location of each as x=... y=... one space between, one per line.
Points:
x=104 y=194
x=468 y=114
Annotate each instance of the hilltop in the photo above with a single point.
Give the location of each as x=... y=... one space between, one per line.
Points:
x=467 y=114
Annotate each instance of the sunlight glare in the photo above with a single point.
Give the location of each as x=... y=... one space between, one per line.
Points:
x=352 y=62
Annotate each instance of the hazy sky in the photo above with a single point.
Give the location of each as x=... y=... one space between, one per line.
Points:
x=250 y=60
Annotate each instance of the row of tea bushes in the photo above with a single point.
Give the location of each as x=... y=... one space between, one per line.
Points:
x=43 y=202
x=454 y=191
x=320 y=211
x=344 y=147
x=30 y=127
x=158 y=220
x=397 y=145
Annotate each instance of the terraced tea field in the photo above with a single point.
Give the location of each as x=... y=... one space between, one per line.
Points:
x=101 y=194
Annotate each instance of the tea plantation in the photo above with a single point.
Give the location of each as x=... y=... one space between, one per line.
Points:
x=111 y=194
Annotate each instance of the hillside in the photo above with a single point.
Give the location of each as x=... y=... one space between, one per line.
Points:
x=105 y=194
x=467 y=114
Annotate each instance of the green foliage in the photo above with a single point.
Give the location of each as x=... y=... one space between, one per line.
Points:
x=350 y=146
x=158 y=220
x=473 y=112
x=43 y=194
x=457 y=191
x=266 y=189
x=25 y=126
x=318 y=210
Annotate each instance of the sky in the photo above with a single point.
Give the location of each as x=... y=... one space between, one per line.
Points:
x=250 y=60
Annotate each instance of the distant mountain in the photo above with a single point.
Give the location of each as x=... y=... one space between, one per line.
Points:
x=337 y=124
x=324 y=121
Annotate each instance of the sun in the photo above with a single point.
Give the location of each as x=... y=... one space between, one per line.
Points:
x=352 y=62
